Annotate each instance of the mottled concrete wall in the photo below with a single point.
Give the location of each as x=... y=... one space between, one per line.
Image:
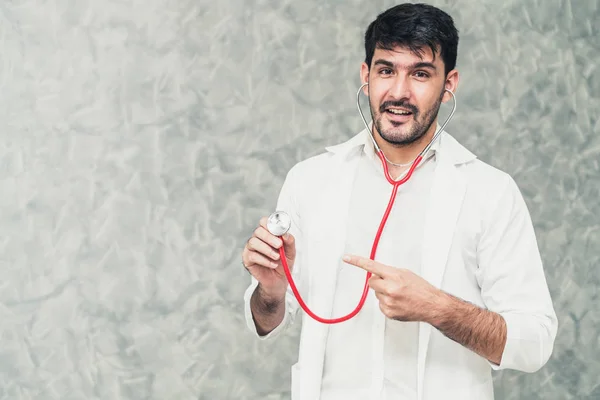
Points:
x=141 y=141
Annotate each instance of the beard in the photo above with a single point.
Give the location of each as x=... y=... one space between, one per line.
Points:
x=404 y=134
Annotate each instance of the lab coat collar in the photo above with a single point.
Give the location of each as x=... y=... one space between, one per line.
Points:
x=453 y=151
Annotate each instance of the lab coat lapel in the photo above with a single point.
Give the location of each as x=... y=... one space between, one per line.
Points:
x=326 y=250
x=447 y=193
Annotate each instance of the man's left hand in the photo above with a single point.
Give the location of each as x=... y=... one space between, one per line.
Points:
x=402 y=294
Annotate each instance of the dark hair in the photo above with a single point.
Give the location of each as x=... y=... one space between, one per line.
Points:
x=413 y=26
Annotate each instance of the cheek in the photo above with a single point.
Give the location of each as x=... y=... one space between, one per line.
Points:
x=422 y=98
x=374 y=103
x=426 y=96
x=376 y=95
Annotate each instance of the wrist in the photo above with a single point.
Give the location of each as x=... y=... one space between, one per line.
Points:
x=439 y=309
x=270 y=295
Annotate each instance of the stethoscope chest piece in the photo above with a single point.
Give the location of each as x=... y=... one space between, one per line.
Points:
x=279 y=223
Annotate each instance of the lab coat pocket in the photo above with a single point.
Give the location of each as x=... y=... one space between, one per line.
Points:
x=295 y=382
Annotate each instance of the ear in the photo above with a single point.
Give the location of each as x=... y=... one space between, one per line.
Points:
x=364 y=77
x=451 y=84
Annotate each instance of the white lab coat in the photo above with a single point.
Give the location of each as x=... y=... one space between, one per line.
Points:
x=479 y=244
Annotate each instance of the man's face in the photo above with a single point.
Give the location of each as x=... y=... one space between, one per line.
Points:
x=405 y=93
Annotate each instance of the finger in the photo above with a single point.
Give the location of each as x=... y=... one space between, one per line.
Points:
x=378 y=285
x=263 y=234
x=263 y=222
x=255 y=258
x=368 y=265
x=289 y=245
x=383 y=299
x=257 y=245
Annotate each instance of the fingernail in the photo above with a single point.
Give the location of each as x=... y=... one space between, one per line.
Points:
x=274 y=265
x=346 y=257
x=276 y=255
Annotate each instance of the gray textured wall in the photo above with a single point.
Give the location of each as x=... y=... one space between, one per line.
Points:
x=141 y=141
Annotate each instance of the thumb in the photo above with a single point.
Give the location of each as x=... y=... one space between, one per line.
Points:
x=289 y=246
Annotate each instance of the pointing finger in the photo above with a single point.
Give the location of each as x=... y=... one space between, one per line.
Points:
x=368 y=265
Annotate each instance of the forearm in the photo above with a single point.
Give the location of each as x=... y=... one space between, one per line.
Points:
x=478 y=329
x=267 y=311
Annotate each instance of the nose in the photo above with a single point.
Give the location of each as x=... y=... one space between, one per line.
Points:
x=400 y=88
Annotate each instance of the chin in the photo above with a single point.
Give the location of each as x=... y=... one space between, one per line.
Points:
x=400 y=137
x=396 y=134
x=399 y=140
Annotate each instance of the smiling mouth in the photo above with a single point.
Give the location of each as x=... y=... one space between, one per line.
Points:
x=396 y=111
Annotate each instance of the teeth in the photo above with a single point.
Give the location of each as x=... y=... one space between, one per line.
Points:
x=399 y=112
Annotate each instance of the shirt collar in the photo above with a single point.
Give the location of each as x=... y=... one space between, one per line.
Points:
x=445 y=144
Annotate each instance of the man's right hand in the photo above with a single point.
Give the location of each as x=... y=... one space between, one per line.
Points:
x=261 y=258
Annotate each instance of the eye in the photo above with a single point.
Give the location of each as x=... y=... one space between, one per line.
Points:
x=385 y=71
x=422 y=74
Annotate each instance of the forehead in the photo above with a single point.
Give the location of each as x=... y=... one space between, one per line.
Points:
x=405 y=55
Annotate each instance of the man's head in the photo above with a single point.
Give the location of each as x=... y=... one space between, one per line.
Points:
x=410 y=59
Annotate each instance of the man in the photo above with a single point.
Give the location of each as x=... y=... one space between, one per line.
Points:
x=458 y=288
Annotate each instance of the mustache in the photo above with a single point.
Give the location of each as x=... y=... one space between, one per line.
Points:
x=401 y=104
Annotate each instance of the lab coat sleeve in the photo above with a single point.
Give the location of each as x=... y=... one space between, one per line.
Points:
x=287 y=202
x=513 y=282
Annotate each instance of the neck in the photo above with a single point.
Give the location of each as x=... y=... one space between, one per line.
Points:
x=404 y=154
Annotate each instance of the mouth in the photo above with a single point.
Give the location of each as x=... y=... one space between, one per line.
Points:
x=398 y=111
x=398 y=115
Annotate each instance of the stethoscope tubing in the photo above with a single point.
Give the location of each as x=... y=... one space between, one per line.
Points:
x=396 y=185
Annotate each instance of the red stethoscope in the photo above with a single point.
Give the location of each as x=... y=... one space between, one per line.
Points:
x=279 y=222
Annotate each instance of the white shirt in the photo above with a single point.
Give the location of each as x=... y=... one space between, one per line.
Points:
x=479 y=244
x=399 y=246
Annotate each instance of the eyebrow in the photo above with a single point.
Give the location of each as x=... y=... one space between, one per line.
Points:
x=421 y=64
